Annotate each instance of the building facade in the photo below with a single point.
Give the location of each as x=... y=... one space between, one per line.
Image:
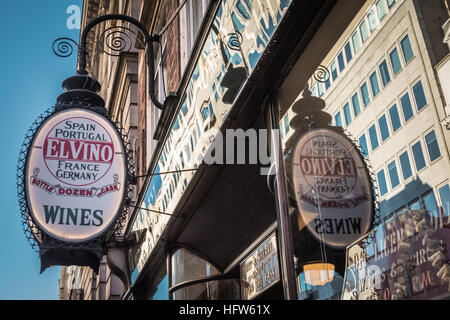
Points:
x=206 y=229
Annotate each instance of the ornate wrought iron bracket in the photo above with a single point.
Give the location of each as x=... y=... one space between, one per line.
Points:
x=114 y=39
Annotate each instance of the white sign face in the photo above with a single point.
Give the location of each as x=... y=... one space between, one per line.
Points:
x=75 y=175
x=332 y=187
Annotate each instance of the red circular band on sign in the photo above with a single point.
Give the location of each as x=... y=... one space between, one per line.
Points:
x=80 y=151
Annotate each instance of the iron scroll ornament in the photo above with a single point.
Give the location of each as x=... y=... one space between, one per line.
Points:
x=114 y=40
x=34 y=234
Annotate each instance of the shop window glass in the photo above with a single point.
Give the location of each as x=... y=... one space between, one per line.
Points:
x=363 y=144
x=384 y=130
x=365 y=94
x=381 y=9
x=419 y=95
x=334 y=72
x=348 y=52
x=341 y=62
x=382 y=182
x=391 y=3
x=356 y=105
x=374 y=84
x=418 y=156
x=338 y=119
x=347 y=114
x=406 y=49
x=187 y=266
x=393 y=175
x=444 y=194
x=373 y=21
x=384 y=71
x=356 y=41
x=395 y=61
x=406 y=166
x=373 y=137
x=432 y=146
x=395 y=118
x=309 y=290
x=406 y=107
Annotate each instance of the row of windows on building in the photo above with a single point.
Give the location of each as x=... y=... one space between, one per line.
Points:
x=370 y=88
x=364 y=96
x=353 y=44
x=390 y=122
x=388 y=177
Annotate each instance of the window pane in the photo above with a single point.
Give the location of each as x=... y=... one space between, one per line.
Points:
x=363 y=144
x=418 y=156
x=419 y=95
x=341 y=62
x=406 y=166
x=364 y=31
x=383 y=127
x=334 y=72
x=373 y=137
x=348 y=52
x=381 y=9
x=430 y=204
x=444 y=193
x=395 y=61
x=320 y=88
x=384 y=71
x=406 y=107
x=374 y=84
x=314 y=91
x=395 y=119
x=432 y=145
x=365 y=94
x=327 y=81
x=338 y=119
x=356 y=105
x=390 y=3
x=392 y=168
x=416 y=205
x=382 y=183
x=407 y=49
x=347 y=114
x=373 y=21
x=356 y=41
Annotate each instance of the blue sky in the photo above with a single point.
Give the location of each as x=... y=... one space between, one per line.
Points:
x=30 y=83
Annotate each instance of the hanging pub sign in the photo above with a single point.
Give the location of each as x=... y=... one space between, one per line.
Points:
x=260 y=270
x=75 y=175
x=332 y=187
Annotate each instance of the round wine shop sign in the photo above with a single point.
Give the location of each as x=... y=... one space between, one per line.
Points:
x=75 y=175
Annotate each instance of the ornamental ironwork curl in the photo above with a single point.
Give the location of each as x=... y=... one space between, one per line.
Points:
x=234 y=40
x=35 y=236
x=117 y=39
x=63 y=47
x=322 y=74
